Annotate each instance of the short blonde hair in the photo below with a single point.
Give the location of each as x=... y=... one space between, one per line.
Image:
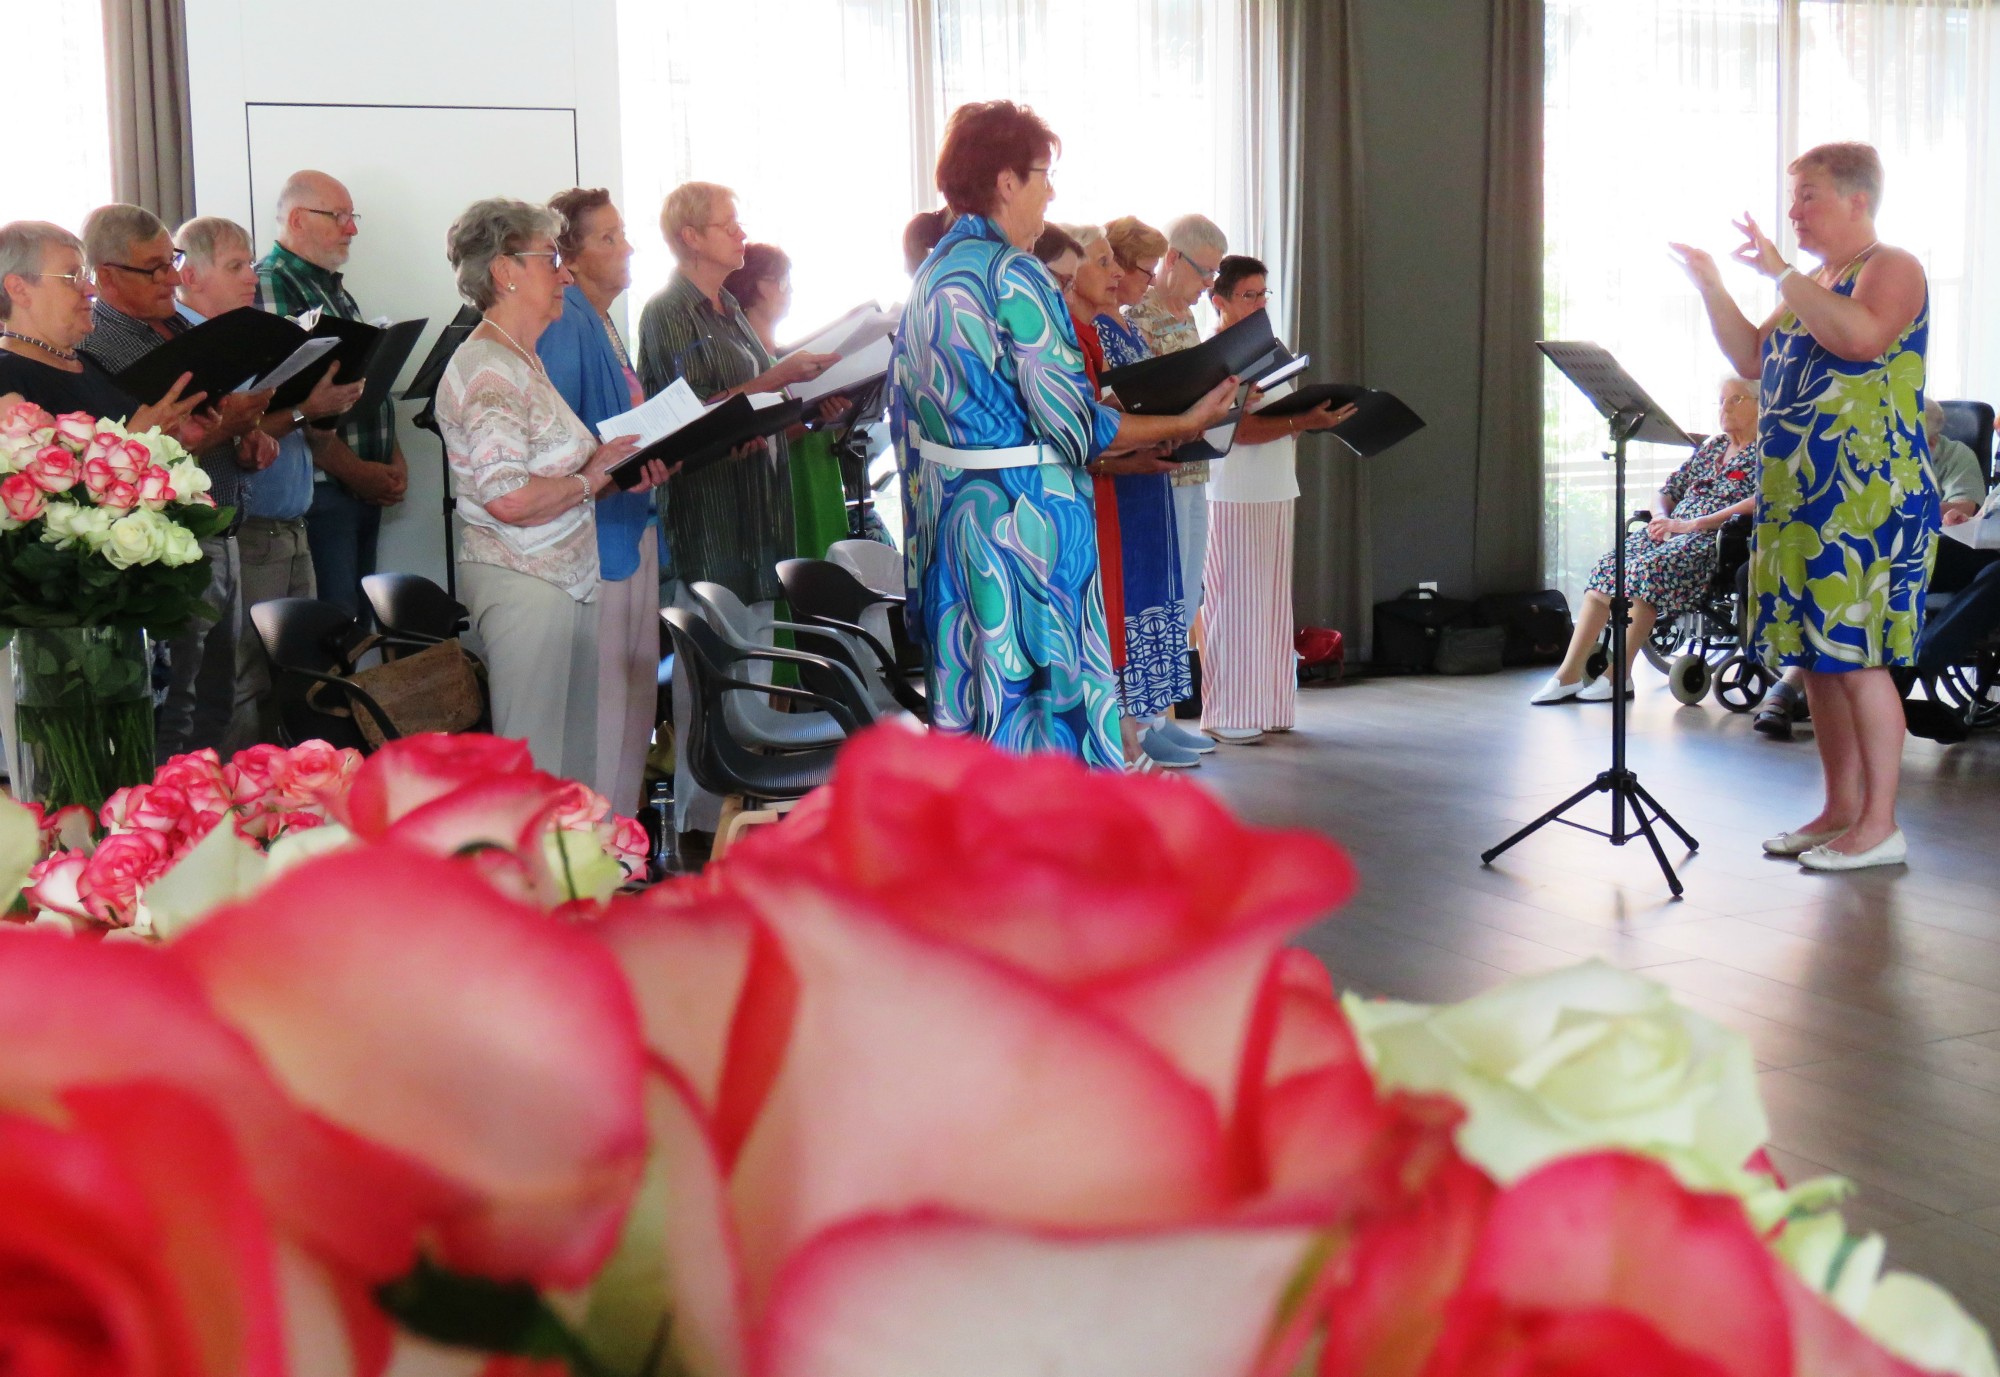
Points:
x=687 y=207
x=1854 y=167
x=204 y=238
x=1132 y=240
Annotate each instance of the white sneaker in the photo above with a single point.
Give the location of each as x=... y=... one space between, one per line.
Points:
x=1556 y=691
x=1598 y=690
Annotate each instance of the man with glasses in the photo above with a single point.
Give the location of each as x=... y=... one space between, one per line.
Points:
x=358 y=465
x=1164 y=317
x=138 y=270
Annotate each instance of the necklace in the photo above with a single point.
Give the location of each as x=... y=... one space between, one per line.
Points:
x=1873 y=244
x=532 y=361
x=66 y=355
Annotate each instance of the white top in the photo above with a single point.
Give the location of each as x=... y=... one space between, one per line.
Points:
x=1258 y=473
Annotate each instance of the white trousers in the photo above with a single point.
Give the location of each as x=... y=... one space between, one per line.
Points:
x=540 y=646
x=1249 y=676
x=628 y=677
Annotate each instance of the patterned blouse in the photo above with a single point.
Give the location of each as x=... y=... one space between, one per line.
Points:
x=1168 y=332
x=503 y=423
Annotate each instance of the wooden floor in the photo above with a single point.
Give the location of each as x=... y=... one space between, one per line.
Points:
x=1872 y=1000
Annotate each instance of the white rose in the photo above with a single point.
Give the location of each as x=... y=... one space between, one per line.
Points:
x=178 y=546
x=581 y=865
x=1578 y=1059
x=16 y=452
x=107 y=426
x=166 y=451
x=187 y=478
x=139 y=537
x=68 y=523
x=1915 y=1319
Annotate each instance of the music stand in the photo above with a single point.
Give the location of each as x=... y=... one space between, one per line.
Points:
x=1632 y=415
x=423 y=388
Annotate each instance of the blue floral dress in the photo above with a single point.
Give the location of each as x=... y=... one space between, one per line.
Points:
x=1847 y=507
x=1156 y=674
x=1003 y=574
x=1672 y=574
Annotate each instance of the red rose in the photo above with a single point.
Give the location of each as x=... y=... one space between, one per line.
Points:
x=132 y=1243
x=22 y=498
x=119 y=870
x=54 y=469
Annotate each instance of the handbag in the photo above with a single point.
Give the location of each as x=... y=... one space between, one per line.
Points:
x=1408 y=628
x=436 y=689
x=1470 y=650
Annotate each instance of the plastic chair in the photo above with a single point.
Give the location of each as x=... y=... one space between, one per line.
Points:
x=823 y=662
x=719 y=762
x=309 y=643
x=825 y=594
x=880 y=567
x=411 y=606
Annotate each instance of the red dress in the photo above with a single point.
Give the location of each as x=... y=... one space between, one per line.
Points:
x=1110 y=562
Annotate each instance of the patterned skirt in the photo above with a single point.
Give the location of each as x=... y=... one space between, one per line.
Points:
x=1013 y=610
x=1249 y=670
x=1156 y=674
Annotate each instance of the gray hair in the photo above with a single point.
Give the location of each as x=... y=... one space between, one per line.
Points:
x=24 y=247
x=109 y=232
x=687 y=206
x=1085 y=235
x=1750 y=385
x=492 y=229
x=1192 y=233
x=204 y=238
x=1933 y=416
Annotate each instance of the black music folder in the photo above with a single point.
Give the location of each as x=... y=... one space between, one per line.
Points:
x=222 y=354
x=376 y=353
x=1381 y=419
x=708 y=437
x=1171 y=383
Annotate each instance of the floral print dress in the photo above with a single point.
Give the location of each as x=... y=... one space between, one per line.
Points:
x=1002 y=563
x=1847 y=509
x=1672 y=574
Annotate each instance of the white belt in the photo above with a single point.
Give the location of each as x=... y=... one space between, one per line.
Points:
x=1013 y=457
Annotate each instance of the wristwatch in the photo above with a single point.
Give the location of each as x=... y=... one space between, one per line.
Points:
x=298 y=418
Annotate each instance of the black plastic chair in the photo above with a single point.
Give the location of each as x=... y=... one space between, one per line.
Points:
x=824 y=594
x=1971 y=424
x=719 y=762
x=310 y=644
x=821 y=659
x=411 y=606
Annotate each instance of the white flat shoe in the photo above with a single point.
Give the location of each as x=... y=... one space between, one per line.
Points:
x=1796 y=843
x=1598 y=690
x=1891 y=850
x=1235 y=736
x=1556 y=691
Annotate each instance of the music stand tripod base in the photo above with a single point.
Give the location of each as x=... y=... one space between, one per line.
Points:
x=1630 y=413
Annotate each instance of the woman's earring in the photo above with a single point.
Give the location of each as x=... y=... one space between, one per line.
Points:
x=510 y=286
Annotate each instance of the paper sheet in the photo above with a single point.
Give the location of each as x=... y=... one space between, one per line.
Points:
x=858 y=367
x=664 y=413
x=304 y=357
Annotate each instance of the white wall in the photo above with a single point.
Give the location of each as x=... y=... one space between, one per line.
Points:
x=420 y=107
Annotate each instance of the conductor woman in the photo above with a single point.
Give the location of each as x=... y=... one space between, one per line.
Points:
x=1847 y=508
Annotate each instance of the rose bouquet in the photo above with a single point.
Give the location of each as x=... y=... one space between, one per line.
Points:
x=975 y=1065
x=100 y=533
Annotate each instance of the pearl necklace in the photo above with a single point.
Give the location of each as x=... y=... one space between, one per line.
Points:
x=66 y=355
x=532 y=361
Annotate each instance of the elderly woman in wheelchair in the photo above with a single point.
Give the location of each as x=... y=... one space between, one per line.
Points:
x=1670 y=565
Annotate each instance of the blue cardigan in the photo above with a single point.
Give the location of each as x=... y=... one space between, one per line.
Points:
x=585 y=369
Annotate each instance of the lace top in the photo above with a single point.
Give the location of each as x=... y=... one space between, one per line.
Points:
x=503 y=423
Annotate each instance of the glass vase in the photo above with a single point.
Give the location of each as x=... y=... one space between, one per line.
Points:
x=83 y=712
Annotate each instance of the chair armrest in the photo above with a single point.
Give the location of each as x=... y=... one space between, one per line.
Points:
x=819 y=662
x=353 y=691
x=832 y=707
x=881 y=651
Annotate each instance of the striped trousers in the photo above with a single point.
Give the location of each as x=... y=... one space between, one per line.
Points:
x=1249 y=676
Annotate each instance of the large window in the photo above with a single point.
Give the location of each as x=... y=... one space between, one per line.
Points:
x=59 y=156
x=824 y=116
x=1666 y=118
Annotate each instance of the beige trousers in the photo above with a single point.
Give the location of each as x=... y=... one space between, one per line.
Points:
x=628 y=677
x=540 y=646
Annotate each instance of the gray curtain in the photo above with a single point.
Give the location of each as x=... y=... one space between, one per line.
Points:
x=1507 y=516
x=1332 y=583
x=146 y=76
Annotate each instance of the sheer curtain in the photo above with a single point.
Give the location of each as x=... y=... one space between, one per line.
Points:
x=64 y=170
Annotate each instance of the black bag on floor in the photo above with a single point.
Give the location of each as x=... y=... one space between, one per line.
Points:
x=1538 y=625
x=1407 y=628
x=1470 y=650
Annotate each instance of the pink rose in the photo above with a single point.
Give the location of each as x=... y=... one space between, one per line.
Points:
x=119 y=870
x=198 y=774
x=98 y=475
x=580 y=807
x=54 y=469
x=100 y=447
x=22 y=498
x=156 y=489
x=119 y=496
x=75 y=428
x=70 y=828
x=24 y=420
x=134 y=1240
x=128 y=459
x=405 y=775
x=314 y=774
x=52 y=884
x=250 y=774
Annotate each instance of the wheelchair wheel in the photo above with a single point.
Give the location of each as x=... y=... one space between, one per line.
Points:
x=1688 y=678
x=1741 y=683
x=1599 y=661
x=1662 y=647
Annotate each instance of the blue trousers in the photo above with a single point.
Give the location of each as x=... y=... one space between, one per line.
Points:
x=342 y=532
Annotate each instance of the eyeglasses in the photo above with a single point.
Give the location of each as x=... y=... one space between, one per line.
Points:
x=1045 y=169
x=1207 y=275
x=81 y=278
x=1263 y=295
x=732 y=225
x=1063 y=280
x=553 y=255
x=156 y=272
x=339 y=217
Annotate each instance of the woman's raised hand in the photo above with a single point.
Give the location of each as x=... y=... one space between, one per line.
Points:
x=1213 y=407
x=1757 y=251
x=168 y=412
x=799 y=367
x=1698 y=264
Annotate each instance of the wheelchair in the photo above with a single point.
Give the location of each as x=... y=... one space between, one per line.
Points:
x=1703 y=649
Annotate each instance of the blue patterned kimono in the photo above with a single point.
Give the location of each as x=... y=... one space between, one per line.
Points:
x=1003 y=576
x=1156 y=674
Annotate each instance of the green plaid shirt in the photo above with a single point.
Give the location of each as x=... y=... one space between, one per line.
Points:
x=289 y=285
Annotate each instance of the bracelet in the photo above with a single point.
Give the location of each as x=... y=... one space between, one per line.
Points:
x=589 y=492
x=1779 y=280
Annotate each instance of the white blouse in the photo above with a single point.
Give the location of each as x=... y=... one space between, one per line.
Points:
x=1258 y=473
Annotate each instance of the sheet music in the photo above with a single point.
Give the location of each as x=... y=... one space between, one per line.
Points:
x=663 y=413
x=304 y=357
x=858 y=367
x=858 y=329
x=1982 y=532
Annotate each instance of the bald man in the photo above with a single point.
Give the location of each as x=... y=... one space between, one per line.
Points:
x=358 y=466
